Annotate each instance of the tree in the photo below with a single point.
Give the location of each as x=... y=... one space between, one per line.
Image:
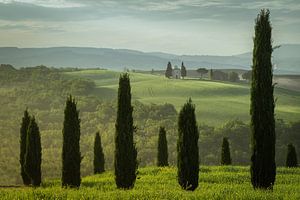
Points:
x=291 y=159
x=202 y=71
x=247 y=75
x=187 y=147
x=162 y=153
x=125 y=151
x=211 y=75
x=263 y=167
x=33 y=155
x=233 y=76
x=98 y=155
x=225 y=155
x=23 y=136
x=71 y=156
x=169 y=70
x=183 y=70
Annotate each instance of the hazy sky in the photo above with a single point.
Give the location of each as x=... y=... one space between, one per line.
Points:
x=174 y=26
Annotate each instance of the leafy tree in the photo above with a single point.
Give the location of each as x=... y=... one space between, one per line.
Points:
x=219 y=75
x=71 y=156
x=263 y=167
x=23 y=136
x=225 y=155
x=247 y=75
x=187 y=148
x=202 y=71
x=98 y=155
x=33 y=155
x=183 y=70
x=233 y=76
x=162 y=153
x=125 y=151
x=291 y=159
x=169 y=70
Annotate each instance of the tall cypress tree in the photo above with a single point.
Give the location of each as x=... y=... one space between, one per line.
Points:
x=71 y=156
x=125 y=161
x=263 y=167
x=23 y=136
x=162 y=153
x=187 y=148
x=291 y=159
x=225 y=155
x=98 y=155
x=33 y=155
x=183 y=70
x=169 y=70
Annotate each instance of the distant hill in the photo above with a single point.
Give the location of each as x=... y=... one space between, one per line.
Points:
x=286 y=58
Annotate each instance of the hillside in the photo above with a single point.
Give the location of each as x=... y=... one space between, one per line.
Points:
x=286 y=60
x=160 y=183
x=216 y=102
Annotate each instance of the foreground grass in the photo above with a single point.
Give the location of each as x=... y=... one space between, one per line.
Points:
x=160 y=183
x=216 y=102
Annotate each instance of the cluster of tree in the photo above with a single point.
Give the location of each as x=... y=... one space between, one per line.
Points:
x=169 y=70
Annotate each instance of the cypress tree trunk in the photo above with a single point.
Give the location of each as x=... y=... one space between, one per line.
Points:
x=225 y=155
x=162 y=153
x=98 y=155
x=187 y=148
x=125 y=152
x=291 y=159
x=263 y=167
x=71 y=156
x=23 y=136
x=33 y=155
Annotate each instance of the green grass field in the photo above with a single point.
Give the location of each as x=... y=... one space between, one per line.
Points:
x=216 y=102
x=215 y=182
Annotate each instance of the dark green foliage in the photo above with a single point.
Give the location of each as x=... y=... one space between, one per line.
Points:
x=23 y=136
x=219 y=75
x=187 y=148
x=125 y=152
x=71 y=156
x=169 y=70
x=98 y=155
x=225 y=154
x=233 y=77
x=263 y=167
x=183 y=70
x=247 y=75
x=211 y=74
x=162 y=149
x=291 y=159
x=33 y=155
x=202 y=71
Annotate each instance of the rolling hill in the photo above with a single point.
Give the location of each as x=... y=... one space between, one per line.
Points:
x=286 y=60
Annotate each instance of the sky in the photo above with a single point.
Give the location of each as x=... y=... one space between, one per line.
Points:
x=190 y=27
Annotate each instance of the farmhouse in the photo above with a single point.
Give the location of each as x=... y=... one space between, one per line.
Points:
x=176 y=72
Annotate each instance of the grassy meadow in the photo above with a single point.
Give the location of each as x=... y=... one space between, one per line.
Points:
x=216 y=102
x=215 y=182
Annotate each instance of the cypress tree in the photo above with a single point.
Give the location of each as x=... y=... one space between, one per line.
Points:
x=162 y=153
x=71 y=156
x=169 y=70
x=225 y=155
x=187 y=148
x=33 y=155
x=263 y=167
x=23 y=136
x=291 y=159
x=125 y=161
x=211 y=75
x=183 y=70
x=98 y=155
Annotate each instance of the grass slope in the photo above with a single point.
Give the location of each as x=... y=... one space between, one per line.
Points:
x=230 y=182
x=216 y=102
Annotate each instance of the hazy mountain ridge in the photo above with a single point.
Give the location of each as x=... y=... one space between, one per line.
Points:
x=286 y=58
